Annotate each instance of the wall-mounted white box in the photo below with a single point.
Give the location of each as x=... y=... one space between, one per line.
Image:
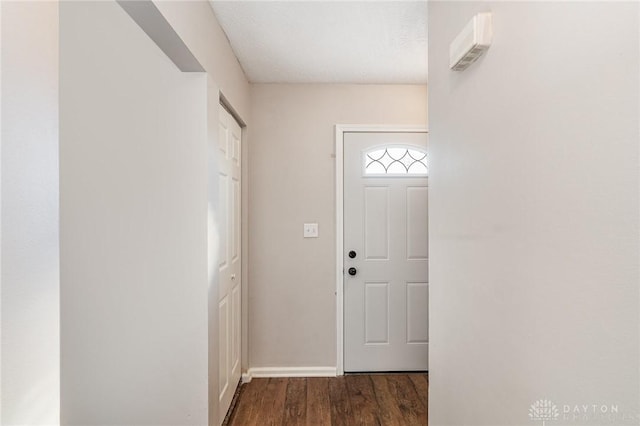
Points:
x=471 y=43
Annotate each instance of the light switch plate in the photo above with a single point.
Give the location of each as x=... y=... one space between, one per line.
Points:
x=311 y=230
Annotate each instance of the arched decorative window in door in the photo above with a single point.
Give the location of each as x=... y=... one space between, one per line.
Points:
x=396 y=161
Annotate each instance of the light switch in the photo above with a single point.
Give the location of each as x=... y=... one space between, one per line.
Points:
x=311 y=230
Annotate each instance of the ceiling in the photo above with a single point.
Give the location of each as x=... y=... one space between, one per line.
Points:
x=328 y=41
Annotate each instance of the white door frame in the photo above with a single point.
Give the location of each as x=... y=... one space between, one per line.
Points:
x=341 y=129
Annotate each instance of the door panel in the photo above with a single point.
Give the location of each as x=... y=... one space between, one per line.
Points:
x=385 y=223
x=376 y=219
x=376 y=313
x=235 y=209
x=223 y=339
x=229 y=293
x=235 y=344
x=223 y=216
x=417 y=233
x=417 y=314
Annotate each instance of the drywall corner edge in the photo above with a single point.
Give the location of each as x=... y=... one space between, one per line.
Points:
x=154 y=24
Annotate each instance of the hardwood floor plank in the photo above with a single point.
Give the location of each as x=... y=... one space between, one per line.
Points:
x=422 y=386
x=390 y=414
x=364 y=405
x=272 y=404
x=340 y=406
x=413 y=411
x=247 y=412
x=295 y=406
x=318 y=401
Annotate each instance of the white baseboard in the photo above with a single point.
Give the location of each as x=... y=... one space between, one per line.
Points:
x=246 y=377
x=289 y=372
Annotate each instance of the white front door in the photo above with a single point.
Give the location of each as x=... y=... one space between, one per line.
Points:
x=229 y=138
x=386 y=290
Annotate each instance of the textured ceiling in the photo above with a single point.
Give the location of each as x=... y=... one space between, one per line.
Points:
x=328 y=41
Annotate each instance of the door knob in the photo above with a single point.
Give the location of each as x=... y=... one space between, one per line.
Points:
x=352 y=254
x=353 y=271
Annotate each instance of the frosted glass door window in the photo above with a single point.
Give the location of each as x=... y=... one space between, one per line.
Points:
x=394 y=160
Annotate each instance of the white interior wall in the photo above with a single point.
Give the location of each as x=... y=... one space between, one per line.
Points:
x=133 y=184
x=292 y=301
x=534 y=214
x=30 y=256
x=197 y=26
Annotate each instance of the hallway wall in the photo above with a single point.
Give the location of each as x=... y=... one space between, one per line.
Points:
x=292 y=300
x=534 y=215
x=133 y=226
x=195 y=25
x=30 y=277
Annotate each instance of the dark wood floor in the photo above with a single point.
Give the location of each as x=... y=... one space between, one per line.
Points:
x=379 y=399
